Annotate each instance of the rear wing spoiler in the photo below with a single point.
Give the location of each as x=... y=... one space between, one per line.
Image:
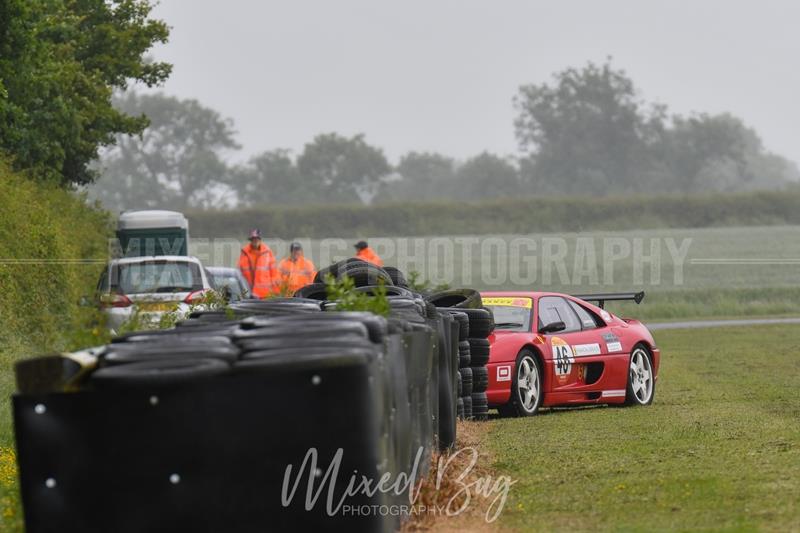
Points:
x=602 y=298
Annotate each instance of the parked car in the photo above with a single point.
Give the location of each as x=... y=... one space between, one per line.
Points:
x=151 y=286
x=230 y=282
x=551 y=349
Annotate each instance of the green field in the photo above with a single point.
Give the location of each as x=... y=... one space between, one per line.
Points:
x=719 y=449
x=532 y=260
x=721 y=272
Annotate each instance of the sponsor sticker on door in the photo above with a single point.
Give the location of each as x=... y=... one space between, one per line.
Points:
x=583 y=350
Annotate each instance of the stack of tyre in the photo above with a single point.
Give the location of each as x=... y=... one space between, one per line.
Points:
x=477 y=323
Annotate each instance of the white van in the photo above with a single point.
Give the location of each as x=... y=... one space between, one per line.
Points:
x=153 y=232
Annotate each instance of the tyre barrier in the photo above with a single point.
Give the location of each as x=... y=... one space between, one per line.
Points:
x=480 y=406
x=464 y=354
x=480 y=378
x=476 y=324
x=478 y=351
x=194 y=428
x=467 y=407
x=467 y=381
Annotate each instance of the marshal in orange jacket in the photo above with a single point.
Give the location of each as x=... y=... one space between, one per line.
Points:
x=368 y=254
x=258 y=268
x=295 y=273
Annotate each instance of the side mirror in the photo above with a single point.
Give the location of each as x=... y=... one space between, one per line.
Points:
x=553 y=327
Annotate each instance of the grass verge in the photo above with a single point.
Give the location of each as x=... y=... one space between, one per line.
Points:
x=718 y=450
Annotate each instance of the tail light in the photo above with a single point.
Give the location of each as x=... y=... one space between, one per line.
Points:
x=195 y=297
x=115 y=300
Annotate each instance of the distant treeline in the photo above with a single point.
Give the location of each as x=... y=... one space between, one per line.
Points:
x=496 y=216
x=587 y=132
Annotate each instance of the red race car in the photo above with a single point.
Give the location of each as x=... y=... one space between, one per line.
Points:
x=551 y=349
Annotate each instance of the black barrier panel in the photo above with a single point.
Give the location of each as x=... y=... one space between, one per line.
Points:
x=213 y=457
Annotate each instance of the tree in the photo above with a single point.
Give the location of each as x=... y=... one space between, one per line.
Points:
x=486 y=175
x=270 y=177
x=60 y=61
x=588 y=133
x=425 y=167
x=340 y=169
x=719 y=153
x=420 y=176
x=177 y=161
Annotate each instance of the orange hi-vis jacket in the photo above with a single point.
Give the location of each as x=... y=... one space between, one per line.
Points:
x=368 y=254
x=295 y=274
x=258 y=268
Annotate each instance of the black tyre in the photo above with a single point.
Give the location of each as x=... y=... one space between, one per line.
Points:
x=467 y=383
x=335 y=268
x=464 y=355
x=480 y=406
x=260 y=344
x=641 y=388
x=364 y=276
x=480 y=378
x=463 y=324
x=315 y=291
x=158 y=373
x=398 y=278
x=481 y=322
x=479 y=351
x=460 y=388
x=301 y=329
x=460 y=408
x=127 y=353
x=376 y=325
x=467 y=407
x=390 y=290
x=461 y=298
x=526 y=386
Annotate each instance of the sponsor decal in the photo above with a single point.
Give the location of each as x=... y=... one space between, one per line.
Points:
x=527 y=303
x=617 y=393
x=614 y=347
x=562 y=357
x=582 y=350
x=606 y=315
x=610 y=337
x=504 y=373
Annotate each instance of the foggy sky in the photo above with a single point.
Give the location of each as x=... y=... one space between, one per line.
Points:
x=440 y=75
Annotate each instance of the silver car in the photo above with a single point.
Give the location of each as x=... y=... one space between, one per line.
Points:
x=229 y=282
x=149 y=287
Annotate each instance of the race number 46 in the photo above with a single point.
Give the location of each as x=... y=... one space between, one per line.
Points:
x=562 y=357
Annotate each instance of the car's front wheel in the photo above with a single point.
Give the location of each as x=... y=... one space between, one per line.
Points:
x=641 y=382
x=526 y=387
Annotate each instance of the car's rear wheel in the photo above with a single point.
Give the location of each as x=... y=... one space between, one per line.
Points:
x=526 y=387
x=641 y=385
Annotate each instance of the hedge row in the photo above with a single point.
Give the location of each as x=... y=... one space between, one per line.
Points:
x=45 y=233
x=517 y=215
